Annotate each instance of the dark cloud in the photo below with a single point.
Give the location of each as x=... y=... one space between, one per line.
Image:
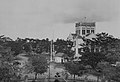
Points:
x=93 y=10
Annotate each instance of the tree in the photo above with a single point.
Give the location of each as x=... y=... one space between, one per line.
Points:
x=39 y=64
x=108 y=72
x=64 y=46
x=113 y=53
x=15 y=46
x=105 y=63
x=98 y=51
x=92 y=58
x=74 y=68
x=7 y=68
x=99 y=44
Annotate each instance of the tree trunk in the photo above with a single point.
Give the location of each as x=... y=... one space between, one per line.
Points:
x=86 y=78
x=97 y=78
x=74 y=77
x=35 y=76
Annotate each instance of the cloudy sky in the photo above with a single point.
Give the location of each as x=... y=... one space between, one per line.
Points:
x=56 y=18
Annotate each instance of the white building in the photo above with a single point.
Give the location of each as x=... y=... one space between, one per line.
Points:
x=82 y=30
x=59 y=58
x=71 y=37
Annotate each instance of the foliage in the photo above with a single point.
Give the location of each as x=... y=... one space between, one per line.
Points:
x=92 y=58
x=101 y=53
x=101 y=43
x=64 y=47
x=113 y=53
x=108 y=71
x=39 y=64
x=43 y=46
x=15 y=46
x=74 y=68
x=7 y=68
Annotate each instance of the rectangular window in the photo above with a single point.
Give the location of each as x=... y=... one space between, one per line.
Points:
x=92 y=31
x=83 y=32
x=88 y=31
x=79 y=31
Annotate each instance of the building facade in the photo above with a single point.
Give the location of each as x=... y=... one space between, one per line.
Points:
x=82 y=30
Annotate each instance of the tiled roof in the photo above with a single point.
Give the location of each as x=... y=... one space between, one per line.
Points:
x=90 y=36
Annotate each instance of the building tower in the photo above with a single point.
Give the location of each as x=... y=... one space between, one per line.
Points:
x=82 y=29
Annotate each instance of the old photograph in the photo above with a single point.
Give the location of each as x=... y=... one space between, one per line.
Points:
x=59 y=40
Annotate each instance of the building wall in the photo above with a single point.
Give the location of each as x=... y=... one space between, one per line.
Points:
x=58 y=59
x=84 y=28
x=70 y=37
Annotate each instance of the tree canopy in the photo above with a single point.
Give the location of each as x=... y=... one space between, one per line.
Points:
x=38 y=64
x=101 y=54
